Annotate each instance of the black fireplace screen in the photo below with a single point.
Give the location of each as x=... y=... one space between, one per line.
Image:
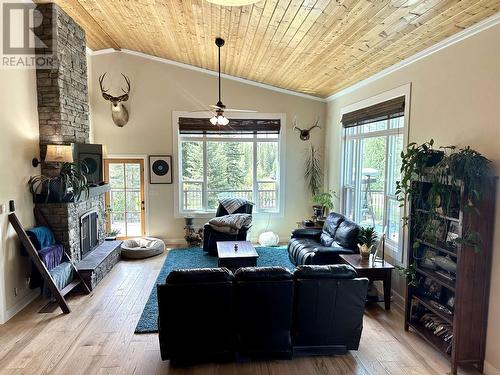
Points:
x=89 y=238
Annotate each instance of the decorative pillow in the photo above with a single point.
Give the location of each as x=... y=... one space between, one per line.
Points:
x=232 y=204
x=230 y=223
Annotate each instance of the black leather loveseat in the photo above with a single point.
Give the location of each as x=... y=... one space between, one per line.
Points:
x=211 y=314
x=323 y=246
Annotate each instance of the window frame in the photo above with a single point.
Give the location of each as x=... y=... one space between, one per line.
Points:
x=395 y=254
x=280 y=183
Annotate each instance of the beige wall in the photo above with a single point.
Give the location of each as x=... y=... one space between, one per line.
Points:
x=157 y=90
x=455 y=99
x=18 y=145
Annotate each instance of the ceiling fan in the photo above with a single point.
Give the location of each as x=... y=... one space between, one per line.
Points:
x=219 y=108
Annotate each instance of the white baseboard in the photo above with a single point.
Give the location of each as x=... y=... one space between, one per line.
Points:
x=23 y=302
x=489 y=369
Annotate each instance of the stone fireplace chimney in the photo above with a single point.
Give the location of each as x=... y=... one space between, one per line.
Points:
x=63 y=109
x=63 y=113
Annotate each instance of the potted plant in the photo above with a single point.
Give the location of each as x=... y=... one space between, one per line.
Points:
x=323 y=202
x=367 y=238
x=67 y=186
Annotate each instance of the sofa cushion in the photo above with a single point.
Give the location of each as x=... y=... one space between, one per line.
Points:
x=262 y=274
x=347 y=235
x=332 y=222
x=199 y=275
x=331 y=271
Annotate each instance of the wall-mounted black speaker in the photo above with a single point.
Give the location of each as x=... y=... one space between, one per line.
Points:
x=91 y=155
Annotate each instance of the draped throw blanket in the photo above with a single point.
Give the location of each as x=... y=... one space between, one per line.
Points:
x=232 y=204
x=230 y=224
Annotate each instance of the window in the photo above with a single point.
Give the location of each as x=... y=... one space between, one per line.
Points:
x=125 y=201
x=240 y=160
x=372 y=145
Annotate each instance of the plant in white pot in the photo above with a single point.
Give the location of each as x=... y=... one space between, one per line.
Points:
x=367 y=238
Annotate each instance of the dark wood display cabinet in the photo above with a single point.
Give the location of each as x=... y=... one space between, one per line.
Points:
x=447 y=300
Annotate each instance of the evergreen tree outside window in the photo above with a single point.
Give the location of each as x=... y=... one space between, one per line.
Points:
x=232 y=164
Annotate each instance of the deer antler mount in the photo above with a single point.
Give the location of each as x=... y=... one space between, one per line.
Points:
x=119 y=112
x=305 y=133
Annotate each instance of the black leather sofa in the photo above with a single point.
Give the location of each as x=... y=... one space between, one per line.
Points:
x=209 y=314
x=195 y=309
x=261 y=295
x=323 y=246
x=328 y=309
x=211 y=236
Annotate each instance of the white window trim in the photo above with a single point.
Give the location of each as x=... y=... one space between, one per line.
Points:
x=404 y=90
x=177 y=160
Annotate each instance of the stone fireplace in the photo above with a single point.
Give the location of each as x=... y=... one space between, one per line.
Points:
x=63 y=113
x=65 y=220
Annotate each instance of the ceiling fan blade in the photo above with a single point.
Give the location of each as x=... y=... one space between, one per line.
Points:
x=216 y=106
x=240 y=110
x=204 y=110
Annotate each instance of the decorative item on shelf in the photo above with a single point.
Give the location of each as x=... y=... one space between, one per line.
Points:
x=445 y=263
x=193 y=237
x=111 y=235
x=323 y=202
x=379 y=252
x=427 y=259
x=367 y=238
x=119 y=112
x=235 y=247
x=453 y=234
x=67 y=186
x=160 y=169
x=56 y=154
x=305 y=133
x=269 y=239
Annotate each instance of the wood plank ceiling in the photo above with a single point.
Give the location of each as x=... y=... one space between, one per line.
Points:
x=316 y=47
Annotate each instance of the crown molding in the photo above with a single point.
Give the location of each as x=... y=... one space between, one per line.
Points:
x=206 y=71
x=455 y=38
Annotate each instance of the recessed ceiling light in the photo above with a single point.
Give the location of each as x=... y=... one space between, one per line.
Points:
x=233 y=3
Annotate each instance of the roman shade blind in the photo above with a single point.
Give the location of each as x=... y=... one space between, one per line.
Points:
x=189 y=125
x=381 y=111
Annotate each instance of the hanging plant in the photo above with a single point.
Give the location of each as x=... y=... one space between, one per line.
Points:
x=444 y=170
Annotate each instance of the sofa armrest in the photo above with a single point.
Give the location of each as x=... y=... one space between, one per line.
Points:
x=313 y=234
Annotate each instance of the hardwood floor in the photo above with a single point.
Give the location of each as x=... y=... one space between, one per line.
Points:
x=97 y=337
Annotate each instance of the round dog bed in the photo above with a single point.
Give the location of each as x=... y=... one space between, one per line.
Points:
x=139 y=248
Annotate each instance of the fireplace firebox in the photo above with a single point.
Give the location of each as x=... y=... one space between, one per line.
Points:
x=89 y=236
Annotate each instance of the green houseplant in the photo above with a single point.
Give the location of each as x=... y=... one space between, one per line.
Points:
x=67 y=186
x=324 y=201
x=367 y=238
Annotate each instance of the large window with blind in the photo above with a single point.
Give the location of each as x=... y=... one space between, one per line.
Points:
x=373 y=139
x=241 y=159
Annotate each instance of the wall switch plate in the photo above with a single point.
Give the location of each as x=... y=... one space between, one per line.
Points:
x=3 y=208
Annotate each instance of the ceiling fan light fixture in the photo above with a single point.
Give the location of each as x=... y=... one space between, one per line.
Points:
x=219 y=120
x=233 y=3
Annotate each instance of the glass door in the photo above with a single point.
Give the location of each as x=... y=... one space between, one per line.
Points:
x=125 y=201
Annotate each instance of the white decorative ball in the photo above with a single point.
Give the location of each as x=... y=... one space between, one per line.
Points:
x=269 y=239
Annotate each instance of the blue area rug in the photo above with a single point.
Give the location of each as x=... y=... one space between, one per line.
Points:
x=196 y=258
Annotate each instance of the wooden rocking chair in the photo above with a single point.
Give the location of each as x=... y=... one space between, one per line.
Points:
x=44 y=272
